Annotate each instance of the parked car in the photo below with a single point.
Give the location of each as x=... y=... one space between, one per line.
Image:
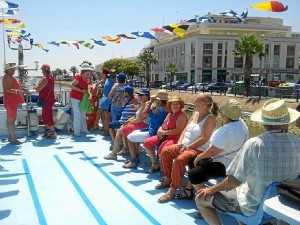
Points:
x=185 y=86
x=157 y=84
x=133 y=82
x=196 y=86
x=175 y=84
x=216 y=87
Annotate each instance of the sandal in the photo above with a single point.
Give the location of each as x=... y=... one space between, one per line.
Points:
x=165 y=198
x=15 y=142
x=184 y=194
x=131 y=161
x=162 y=185
x=111 y=156
x=153 y=169
x=123 y=152
x=128 y=160
x=199 y=216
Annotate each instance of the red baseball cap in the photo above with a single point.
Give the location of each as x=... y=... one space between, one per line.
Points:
x=45 y=67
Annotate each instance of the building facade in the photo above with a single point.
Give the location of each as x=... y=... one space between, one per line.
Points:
x=204 y=54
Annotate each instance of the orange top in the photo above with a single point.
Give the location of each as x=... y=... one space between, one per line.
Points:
x=12 y=99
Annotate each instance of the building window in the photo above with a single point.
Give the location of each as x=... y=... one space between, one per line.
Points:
x=290 y=50
x=219 y=61
x=193 y=48
x=290 y=62
x=207 y=62
x=238 y=62
x=207 y=48
x=220 y=48
x=276 y=49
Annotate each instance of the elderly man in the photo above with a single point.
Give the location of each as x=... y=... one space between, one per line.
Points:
x=256 y=165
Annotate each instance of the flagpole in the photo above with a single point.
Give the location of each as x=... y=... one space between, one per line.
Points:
x=3 y=34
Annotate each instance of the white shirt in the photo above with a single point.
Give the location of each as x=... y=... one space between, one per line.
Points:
x=229 y=138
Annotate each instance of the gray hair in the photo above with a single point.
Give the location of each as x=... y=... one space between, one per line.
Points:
x=274 y=127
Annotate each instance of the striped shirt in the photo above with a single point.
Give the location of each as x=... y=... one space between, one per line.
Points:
x=127 y=113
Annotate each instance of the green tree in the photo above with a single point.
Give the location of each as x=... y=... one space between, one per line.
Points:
x=57 y=72
x=73 y=70
x=247 y=47
x=129 y=67
x=172 y=68
x=147 y=58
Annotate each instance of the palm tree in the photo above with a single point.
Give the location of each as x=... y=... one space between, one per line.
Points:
x=147 y=58
x=247 y=47
x=172 y=68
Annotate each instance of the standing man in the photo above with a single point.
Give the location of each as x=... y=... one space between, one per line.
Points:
x=12 y=97
x=270 y=157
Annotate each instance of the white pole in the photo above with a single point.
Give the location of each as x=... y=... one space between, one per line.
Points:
x=3 y=33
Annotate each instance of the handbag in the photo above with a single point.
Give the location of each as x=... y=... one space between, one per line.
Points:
x=41 y=103
x=290 y=189
x=85 y=104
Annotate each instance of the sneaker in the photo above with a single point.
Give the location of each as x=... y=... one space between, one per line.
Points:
x=111 y=156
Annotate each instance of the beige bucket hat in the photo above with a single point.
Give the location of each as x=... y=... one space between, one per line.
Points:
x=231 y=109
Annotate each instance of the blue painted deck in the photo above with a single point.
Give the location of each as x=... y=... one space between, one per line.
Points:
x=67 y=182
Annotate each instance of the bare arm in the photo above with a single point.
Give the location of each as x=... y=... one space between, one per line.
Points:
x=74 y=87
x=227 y=184
x=43 y=82
x=180 y=125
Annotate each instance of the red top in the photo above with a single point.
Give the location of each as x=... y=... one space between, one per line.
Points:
x=48 y=90
x=170 y=123
x=12 y=99
x=82 y=84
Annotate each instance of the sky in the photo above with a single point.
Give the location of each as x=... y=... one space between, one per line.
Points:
x=72 y=20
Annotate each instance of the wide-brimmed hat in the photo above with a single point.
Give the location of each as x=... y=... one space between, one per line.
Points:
x=10 y=66
x=86 y=67
x=275 y=112
x=231 y=109
x=143 y=91
x=161 y=95
x=175 y=98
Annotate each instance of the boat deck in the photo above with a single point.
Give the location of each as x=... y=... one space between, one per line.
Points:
x=67 y=182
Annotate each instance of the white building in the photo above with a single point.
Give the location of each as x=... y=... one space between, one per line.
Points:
x=204 y=53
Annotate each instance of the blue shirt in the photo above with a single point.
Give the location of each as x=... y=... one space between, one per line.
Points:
x=109 y=83
x=156 y=120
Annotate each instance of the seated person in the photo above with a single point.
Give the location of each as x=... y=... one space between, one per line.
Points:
x=225 y=142
x=134 y=123
x=256 y=165
x=193 y=140
x=157 y=115
x=127 y=112
x=168 y=133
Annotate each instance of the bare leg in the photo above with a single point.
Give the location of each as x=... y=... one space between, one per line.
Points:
x=208 y=211
x=112 y=133
x=10 y=125
x=152 y=156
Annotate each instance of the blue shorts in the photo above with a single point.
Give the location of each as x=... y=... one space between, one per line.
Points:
x=115 y=125
x=105 y=103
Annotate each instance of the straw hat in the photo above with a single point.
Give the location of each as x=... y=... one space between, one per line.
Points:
x=175 y=98
x=161 y=95
x=275 y=112
x=10 y=66
x=231 y=109
x=86 y=67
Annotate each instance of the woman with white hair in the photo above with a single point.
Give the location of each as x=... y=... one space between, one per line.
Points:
x=79 y=86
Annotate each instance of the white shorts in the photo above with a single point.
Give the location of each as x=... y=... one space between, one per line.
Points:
x=138 y=136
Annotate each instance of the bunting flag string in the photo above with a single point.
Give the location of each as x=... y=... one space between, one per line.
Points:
x=144 y=35
x=9 y=21
x=126 y=36
x=177 y=29
x=98 y=42
x=10 y=12
x=41 y=47
x=8 y=5
x=19 y=27
x=114 y=40
x=272 y=6
x=86 y=44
